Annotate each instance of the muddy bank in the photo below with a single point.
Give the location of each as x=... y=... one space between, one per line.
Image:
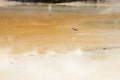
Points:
x=5 y=3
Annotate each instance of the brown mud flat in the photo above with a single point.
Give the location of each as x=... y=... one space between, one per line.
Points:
x=58 y=31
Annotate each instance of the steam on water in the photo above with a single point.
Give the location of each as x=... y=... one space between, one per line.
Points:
x=76 y=65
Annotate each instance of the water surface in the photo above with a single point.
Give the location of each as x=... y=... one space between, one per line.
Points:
x=59 y=43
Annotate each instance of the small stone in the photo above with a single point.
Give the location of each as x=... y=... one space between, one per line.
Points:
x=104 y=48
x=75 y=29
x=11 y=63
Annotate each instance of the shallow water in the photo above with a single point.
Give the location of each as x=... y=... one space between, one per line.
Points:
x=59 y=43
x=38 y=27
